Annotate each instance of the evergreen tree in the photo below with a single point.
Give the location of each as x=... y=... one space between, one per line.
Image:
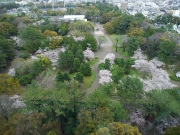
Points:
x=76 y=64
x=59 y=76
x=82 y=68
x=70 y=58
x=107 y=64
x=79 y=77
x=66 y=76
x=80 y=55
x=87 y=69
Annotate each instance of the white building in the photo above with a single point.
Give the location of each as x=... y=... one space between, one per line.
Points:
x=74 y=17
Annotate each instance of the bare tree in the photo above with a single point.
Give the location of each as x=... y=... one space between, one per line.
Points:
x=5 y=106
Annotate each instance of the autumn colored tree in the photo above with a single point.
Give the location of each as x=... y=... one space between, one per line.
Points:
x=117 y=128
x=9 y=85
x=109 y=27
x=7 y=29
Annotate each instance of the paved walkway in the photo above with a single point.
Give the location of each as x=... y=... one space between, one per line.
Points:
x=106 y=48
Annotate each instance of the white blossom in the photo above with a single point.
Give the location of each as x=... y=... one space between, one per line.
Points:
x=11 y=72
x=136 y=117
x=51 y=54
x=110 y=56
x=88 y=54
x=105 y=76
x=139 y=55
x=159 y=78
x=157 y=62
x=16 y=102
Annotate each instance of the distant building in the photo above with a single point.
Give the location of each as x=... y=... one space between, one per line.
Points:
x=124 y=6
x=74 y=17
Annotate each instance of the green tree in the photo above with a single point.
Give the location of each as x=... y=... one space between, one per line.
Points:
x=87 y=69
x=32 y=38
x=62 y=29
x=107 y=64
x=130 y=91
x=156 y=103
x=82 y=68
x=76 y=64
x=125 y=23
x=59 y=76
x=52 y=102
x=62 y=60
x=80 y=55
x=133 y=44
x=117 y=74
x=6 y=51
x=66 y=76
x=166 y=51
x=79 y=77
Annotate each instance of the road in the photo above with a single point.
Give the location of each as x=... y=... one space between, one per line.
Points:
x=106 y=48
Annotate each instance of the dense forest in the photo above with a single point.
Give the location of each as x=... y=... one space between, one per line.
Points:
x=46 y=70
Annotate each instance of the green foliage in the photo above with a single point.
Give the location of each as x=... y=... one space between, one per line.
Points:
x=26 y=79
x=88 y=121
x=79 y=77
x=166 y=51
x=133 y=44
x=87 y=69
x=62 y=29
x=81 y=69
x=66 y=76
x=32 y=38
x=157 y=103
x=174 y=78
x=130 y=91
x=125 y=22
x=65 y=59
x=107 y=64
x=6 y=51
x=101 y=66
x=25 y=55
x=149 y=32
x=80 y=55
x=98 y=98
x=36 y=68
x=59 y=76
x=118 y=112
x=76 y=64
x=82 y=26
x=117 y=74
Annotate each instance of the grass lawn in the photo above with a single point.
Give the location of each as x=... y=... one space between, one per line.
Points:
x=93 y=61
x=119 y=49
x=88 y=80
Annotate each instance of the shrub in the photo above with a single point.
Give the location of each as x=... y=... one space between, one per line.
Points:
x=26 y=79
x=101 y=66
x=25 y=55
x=174 y=78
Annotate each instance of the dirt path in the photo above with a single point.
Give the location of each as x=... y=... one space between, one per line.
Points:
x=106 y=48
